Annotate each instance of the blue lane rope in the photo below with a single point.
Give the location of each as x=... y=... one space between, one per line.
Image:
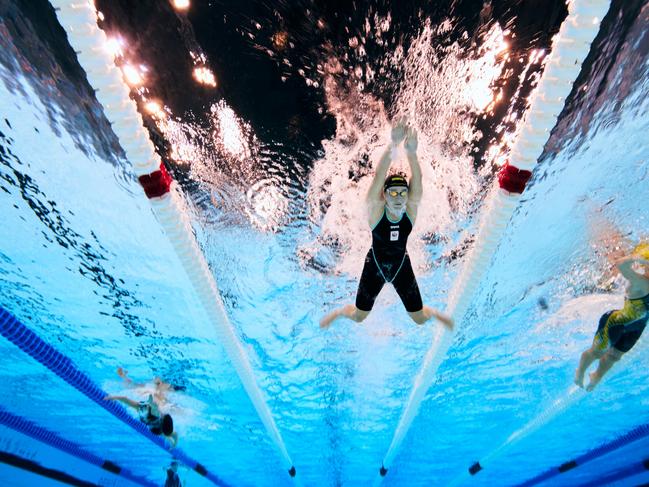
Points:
x=635 y=434
x=30 y=343
x=636 y=469
x=570 y=397
x=43 y=435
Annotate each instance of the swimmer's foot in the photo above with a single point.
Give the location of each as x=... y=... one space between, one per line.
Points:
x=579 y=377
x=123 y=373
x=328 y=319
x=349 y=311
x=594 y=380
x=447 y=321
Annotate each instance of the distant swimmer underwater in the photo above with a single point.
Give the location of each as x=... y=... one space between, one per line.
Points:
x=620 y=329
x=392 y=205
x=149 y=411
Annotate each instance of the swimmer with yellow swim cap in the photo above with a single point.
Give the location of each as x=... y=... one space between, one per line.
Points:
x=620 y=329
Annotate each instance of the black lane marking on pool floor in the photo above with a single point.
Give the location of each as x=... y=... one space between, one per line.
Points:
x=24 y=464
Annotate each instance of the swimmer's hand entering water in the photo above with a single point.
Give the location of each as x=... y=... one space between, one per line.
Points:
x=399 y=131
x=411 y=142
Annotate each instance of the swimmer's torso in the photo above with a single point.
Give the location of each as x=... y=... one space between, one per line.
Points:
x=147 y=414
x=389 y=239
x=622 y=328
x=634 y=312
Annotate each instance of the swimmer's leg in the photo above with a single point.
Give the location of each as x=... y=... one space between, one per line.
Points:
x=349 y=311
x=605 y=364
x=405 y=284
x=369 y=287
x=173 y=439
x=587 y=358
x=597 y=349
x=426 y=313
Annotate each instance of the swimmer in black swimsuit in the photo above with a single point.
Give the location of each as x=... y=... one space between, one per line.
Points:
x=392 y=204
x=173 y=479
x=149 y=414
x=619 y=330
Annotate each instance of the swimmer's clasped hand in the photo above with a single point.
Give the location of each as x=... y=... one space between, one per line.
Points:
x=398 y=133
x=411 y=141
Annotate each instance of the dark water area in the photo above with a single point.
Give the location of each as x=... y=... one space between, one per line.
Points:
x=266 y=90
x=620 y=44
x=269 y=90
x=262 y=52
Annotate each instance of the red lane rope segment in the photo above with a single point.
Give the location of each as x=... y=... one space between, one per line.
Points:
x=157 y=183
x=512 y=179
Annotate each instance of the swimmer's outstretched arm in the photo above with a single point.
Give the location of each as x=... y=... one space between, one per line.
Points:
x=416 y=189
x=374 y=193
x=624 y=266
x=376 y=188
x=123 y=373
x=123 y=400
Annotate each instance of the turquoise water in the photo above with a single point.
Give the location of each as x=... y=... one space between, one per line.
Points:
x=85 y=265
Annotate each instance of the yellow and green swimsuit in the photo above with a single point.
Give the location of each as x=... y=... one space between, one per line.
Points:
x=622 y=328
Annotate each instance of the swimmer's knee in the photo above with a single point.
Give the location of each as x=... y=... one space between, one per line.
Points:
x=596 y=351
x=614 y=354
x=598 y=348
x=418 y=317
x=359 y=315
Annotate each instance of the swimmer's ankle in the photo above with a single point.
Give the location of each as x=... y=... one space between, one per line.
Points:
x=595 y=378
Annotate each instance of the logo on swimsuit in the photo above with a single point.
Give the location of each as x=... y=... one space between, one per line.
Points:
x=394 y=235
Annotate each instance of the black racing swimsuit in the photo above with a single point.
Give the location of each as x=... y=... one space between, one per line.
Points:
x=147 y=417
x=388 y=261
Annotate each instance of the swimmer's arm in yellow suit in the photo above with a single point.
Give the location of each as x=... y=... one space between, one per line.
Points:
x=625 y=266
x=638 y=283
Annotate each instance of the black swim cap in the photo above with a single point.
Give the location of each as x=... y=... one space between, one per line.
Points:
x=167 y=425
x=395 y=180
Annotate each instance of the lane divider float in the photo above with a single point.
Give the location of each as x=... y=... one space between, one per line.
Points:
x=79 y=19
x=623 y=473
